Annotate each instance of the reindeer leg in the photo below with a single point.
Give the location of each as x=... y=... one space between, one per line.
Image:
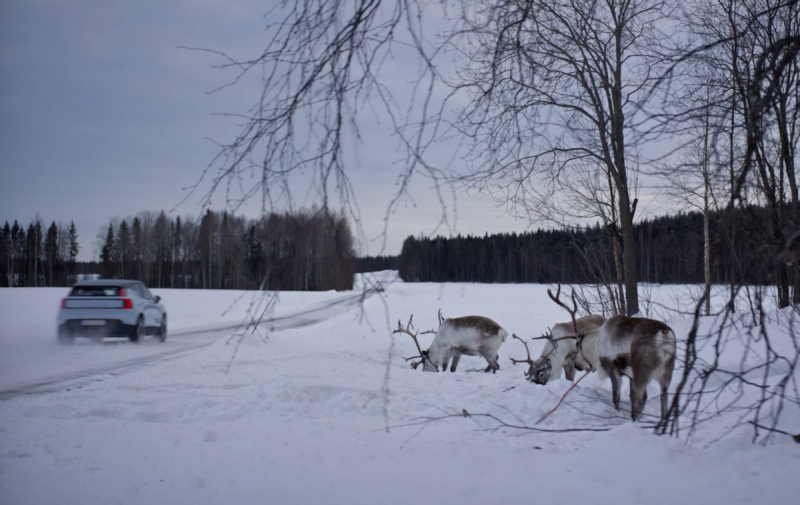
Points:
x=569 y=369
x=663 y=381
x=494 y=366
x=638 y=395
x=613 y=373
x=456 y=359
x=489 y=353
x=664 y=397
x=644 y=366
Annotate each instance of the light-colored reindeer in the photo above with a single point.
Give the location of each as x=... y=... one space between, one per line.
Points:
x=642 y=349
x=559 y=351
x=470 y=335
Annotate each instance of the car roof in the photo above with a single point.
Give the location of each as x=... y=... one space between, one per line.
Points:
x=106 y=282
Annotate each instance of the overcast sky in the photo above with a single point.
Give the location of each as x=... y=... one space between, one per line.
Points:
x=104 y=114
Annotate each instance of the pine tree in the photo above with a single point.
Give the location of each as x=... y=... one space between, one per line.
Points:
x=160 y=248
x=53 y=263
x=124 y=249
x=107 y=253
x=72 y=256
x=6 y=255
x=208 y=225
x=136 y=253
x=33 y=253
x=177 y=240
x=17 y=254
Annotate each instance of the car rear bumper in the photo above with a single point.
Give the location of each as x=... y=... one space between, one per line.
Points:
x=126 y=316
x=109 y=328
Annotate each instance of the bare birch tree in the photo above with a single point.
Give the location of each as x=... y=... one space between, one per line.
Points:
x=749 y=63
x=550 y=87
x=698 y=177
x=557 y=88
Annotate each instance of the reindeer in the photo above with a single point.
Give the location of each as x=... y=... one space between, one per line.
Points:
x=642 y=349
x=470 y=335
x=559 y=351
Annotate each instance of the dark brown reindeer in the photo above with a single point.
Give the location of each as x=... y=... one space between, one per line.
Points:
x=470 y=335
x=639 y=348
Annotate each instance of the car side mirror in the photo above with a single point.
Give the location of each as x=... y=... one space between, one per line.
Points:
x=157 y=298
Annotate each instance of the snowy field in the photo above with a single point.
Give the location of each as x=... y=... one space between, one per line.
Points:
x=318 y=406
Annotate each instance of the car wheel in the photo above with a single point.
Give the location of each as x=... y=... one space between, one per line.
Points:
x=138 y=334
x=162 y=332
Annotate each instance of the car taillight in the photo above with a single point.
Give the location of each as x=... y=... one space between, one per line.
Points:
x=126 y=303
x=121 y=291
x=63 y=303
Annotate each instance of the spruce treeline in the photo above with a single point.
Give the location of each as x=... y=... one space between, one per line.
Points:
x=670 y=250
x=35 y=257
x=311 y=250
x=301 y=251
x=376 y=263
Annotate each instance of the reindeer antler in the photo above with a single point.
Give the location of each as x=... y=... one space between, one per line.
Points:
x=549 y=337
x=572 y=311
x=546 y=336
x=527 y=351
x=406 y=330
x=441 y=318
x=528 y=360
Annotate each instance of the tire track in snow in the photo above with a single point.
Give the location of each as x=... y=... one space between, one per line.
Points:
x=308 y=317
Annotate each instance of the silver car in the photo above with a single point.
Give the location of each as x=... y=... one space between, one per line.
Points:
x=111 y=308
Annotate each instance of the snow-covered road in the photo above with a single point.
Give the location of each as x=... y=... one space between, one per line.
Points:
x=32 y=363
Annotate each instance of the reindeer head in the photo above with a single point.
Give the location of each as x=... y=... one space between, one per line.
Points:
x=427 y=364
x=425 y=360
x=541 y=369
x=539 y=372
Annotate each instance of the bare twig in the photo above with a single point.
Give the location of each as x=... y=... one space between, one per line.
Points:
x=265 y=310
x=562 y=397
x=796 y=438
x=501 y=424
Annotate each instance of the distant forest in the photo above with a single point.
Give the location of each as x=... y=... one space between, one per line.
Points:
x=37 y=257
x=376 y=263
x=305 y=250
x=311 y=250
x=670 y=250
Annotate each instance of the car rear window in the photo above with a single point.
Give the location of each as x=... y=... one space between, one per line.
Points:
x=95 y=291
